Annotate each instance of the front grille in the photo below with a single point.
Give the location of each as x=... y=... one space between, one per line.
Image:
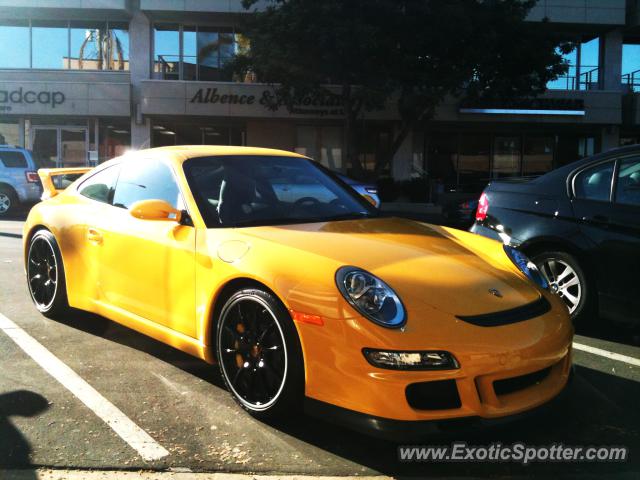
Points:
x=515 y=384
x=437 y=395
x=505 y=317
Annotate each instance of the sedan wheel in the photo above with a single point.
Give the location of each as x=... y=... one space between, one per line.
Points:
x=563 y=280
x=566 y=279
x=258 y=353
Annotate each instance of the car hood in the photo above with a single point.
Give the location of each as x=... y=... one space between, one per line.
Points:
x=428 y=266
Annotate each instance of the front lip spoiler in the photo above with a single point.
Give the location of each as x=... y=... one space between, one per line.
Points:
x=505 y=317
x=413 y=430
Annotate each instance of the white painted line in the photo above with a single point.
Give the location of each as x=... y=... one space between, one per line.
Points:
x=606 y=353
x=131 y=433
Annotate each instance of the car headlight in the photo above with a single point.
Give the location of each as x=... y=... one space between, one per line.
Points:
x=371 y=297
x=526 y=266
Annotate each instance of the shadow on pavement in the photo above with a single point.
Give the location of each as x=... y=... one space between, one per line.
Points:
x=596 y=409
x=14 y=447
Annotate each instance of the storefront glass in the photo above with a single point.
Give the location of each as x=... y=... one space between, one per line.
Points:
x=114 y=137
x=537 y=157
x=323 y=143
x=475 y=159
x=506 y=156
x=9 y=132
x=442 y=158
x=172 y=133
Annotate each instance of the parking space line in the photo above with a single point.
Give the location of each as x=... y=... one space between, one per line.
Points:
x=131 y=433
x=606 y=353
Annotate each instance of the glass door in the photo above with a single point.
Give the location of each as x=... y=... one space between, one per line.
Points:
x=61 y=146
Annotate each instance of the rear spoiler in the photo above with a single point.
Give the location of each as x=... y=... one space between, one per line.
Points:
x=55 y=180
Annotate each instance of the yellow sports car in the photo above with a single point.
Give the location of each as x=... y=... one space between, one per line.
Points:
x=270 y=266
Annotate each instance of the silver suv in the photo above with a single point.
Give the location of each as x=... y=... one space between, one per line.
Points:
x=19 y=182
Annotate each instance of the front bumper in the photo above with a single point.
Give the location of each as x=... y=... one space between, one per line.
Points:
x=405 y=431
x=531 y=358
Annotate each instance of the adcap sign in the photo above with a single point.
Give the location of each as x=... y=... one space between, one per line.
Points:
x=20 y=95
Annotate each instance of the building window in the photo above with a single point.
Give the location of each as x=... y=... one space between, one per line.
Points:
x=187 y=52
x=584 y=68
x=631 y=66
x=475 y=159
x=62 y=44
x=9 y=132
x=16 y=34
x=323 y=144
x=537 y=155
x=181 y=133
x=506 y=156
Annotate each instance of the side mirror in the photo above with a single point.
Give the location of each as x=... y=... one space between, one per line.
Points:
x=155 y=210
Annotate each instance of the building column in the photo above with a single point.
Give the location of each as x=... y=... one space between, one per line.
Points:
x=402 y=160
x=609 y=137
x=140 y=69
x=611 y=61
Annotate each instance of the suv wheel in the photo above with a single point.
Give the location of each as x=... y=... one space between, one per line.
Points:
x=8 y=201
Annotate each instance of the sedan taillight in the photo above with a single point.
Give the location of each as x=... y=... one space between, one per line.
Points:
x=483 y=208
x=32 y=177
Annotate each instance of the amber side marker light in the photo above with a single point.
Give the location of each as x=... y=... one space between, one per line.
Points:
x=306 y=318
x=424 y=360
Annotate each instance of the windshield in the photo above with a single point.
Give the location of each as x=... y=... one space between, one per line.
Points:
x=262 y=190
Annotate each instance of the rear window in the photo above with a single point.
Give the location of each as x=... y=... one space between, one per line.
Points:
x=13 y=159
x=595 y=183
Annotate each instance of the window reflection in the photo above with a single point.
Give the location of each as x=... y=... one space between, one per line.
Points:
x=538 y=155
x=49 y=44
x=16 y=34
x=506 y=157
x=60 y=44
x=206 y=51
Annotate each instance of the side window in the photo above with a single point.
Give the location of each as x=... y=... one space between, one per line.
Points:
x=100 y=186
x=146 y=179
x=628 y=185
x=13 y=159
x=595 y=182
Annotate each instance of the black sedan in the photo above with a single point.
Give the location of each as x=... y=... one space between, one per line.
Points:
x=580 y=224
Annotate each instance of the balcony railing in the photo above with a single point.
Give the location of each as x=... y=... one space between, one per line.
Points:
x=587 y=79
x=632 y=81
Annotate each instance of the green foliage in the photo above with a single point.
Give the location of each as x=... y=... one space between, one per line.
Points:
x=412 y=52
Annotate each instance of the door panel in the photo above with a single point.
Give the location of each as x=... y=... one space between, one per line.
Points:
x=148 y=269
x=614 y=230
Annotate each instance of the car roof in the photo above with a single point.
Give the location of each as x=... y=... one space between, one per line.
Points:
x=181 y=153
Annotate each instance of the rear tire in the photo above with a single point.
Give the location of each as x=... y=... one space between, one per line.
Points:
x=8 y=201
x=46 y=276
x=567 y=279
x=259 y=354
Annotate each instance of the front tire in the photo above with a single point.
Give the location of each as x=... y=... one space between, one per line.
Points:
x=45 y=275
x=259 y=354
x=567 y=279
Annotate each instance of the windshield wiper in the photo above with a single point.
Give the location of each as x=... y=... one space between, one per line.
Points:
x=349 y=216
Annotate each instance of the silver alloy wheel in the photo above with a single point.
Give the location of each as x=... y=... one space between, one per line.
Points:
x=5 y=203
x=563 y=280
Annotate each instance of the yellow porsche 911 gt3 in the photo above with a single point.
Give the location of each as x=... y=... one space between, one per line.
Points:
x=267 y=264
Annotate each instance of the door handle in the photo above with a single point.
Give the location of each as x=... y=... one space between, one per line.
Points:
x=598 y=220
x=94 y=236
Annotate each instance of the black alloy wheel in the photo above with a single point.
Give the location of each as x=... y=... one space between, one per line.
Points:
x=45 y=274
x=259 y=354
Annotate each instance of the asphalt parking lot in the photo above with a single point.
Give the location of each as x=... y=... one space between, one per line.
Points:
x=180 y=402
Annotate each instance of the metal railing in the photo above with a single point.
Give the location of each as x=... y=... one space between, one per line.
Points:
x=632 y=81
x=587 y=79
